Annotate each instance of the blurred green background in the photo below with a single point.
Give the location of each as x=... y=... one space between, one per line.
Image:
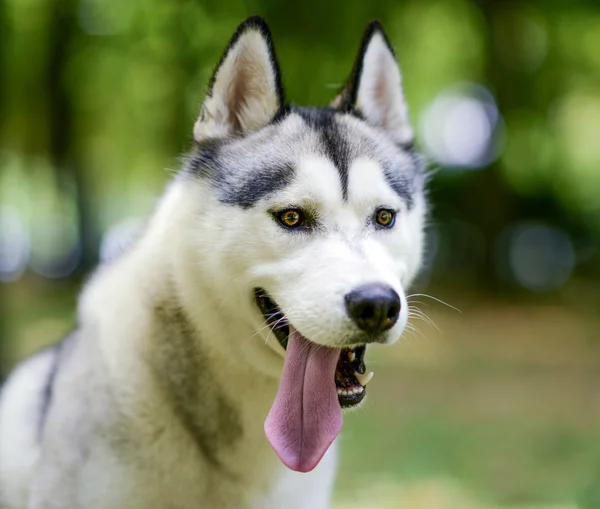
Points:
x=495 y=406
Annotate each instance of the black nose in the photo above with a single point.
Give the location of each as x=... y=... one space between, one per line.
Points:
x=374 y=307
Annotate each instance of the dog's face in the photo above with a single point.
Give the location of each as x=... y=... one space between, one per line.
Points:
x=317 y=214
x=321 y=205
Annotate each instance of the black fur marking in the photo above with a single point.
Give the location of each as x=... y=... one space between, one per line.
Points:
x=261 y=184
x=203 y=160
x=48 y=390
x=408 y=146
x=402 y=184
x=406 y=183
x=183 y=373
x=349 y=91
x=283 y=112
x=336 y=146
x=259 y=24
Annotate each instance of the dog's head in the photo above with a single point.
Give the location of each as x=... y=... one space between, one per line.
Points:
x=316 y=215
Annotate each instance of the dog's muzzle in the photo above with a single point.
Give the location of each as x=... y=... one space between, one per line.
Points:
x=351 y=376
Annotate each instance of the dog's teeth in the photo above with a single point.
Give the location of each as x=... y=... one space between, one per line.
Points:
x=351 y=356
x=363 y=379
x=350 y=391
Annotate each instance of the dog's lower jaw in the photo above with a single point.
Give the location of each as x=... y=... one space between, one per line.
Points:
x=350 y=376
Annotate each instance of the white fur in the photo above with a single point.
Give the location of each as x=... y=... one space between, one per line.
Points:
x=21 y=402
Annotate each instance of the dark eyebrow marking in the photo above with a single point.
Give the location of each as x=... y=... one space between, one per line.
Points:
x=404 y=181
x=257 y=185
x=402 y=186
x=242 y=189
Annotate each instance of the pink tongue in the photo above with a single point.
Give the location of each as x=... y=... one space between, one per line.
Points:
x=306 y=415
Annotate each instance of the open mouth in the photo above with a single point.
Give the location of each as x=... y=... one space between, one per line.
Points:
x=351 y=377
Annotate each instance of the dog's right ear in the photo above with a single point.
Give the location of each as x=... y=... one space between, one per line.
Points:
x=374 y=89
x=245 y=91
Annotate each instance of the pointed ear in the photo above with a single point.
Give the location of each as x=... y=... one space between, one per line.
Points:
x=374 y=88
x=245 y=91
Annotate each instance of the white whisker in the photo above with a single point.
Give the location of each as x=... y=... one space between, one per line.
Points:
x=420 y=315
x=434 y=298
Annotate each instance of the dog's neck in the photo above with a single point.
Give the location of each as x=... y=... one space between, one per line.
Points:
x=220 y=403
x=188 y=345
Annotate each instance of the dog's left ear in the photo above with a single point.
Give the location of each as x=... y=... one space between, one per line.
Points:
x=374 y=88
x=245 y=91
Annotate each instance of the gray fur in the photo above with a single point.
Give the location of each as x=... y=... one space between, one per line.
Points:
x=184 y=374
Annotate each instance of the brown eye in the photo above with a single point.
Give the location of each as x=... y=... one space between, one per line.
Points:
x=291 y=218
x=385 y=218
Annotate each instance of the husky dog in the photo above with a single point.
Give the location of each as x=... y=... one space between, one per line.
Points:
x=212 y=360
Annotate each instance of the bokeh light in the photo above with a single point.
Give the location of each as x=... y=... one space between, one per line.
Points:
x=460 y=128
x=540 y=257
x=14 y=244
x=55 y=246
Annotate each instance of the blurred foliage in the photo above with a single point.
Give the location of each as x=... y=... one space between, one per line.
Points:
x=98 y=97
